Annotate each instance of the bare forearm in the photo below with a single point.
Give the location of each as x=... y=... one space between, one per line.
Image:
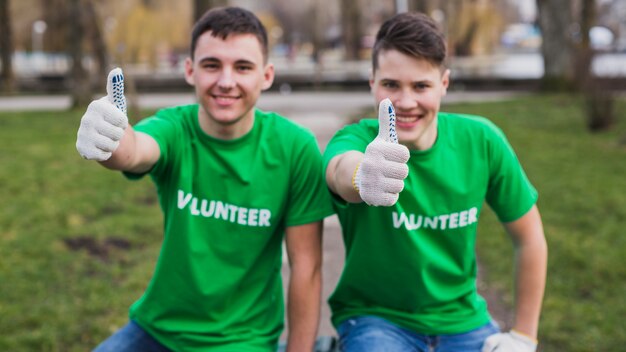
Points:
x=122 y=158
x=340 y=173
x=530 y=285
x=303 y=310
x=136 y=152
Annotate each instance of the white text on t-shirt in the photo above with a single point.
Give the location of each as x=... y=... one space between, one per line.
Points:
x=224 y=211
x=437 y=222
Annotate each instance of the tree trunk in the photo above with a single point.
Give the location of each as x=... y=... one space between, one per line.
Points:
x=54 y=14
x=6 y=48
x=555 y=21
x=317 y=39
x=584 y=51
x=600 y=102
x=202 y=6
x=80 y=87
x=93 y=24
x=423 y=6
x=351 y=28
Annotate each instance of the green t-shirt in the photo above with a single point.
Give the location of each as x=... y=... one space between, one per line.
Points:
x=414 y=263
x=217 y=283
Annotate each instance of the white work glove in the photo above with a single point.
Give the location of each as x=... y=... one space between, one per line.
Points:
x=511 y=341
x=103 y=124
x=379 y=178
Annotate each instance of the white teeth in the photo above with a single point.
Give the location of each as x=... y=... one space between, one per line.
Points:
x=225 y=99
x=406 y=119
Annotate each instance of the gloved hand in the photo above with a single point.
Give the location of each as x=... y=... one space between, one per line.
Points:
x=103 y=124
x=511 y=341
x=379 y=178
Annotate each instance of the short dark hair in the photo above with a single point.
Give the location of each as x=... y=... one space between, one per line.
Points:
x=224 y=21
x=411 y=33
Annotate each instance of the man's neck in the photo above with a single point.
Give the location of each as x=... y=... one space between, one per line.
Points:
x=232 y=131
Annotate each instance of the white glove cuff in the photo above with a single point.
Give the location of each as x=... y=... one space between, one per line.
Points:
x=531 y=342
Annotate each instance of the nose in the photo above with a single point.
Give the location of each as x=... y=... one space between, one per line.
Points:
x=226 y=80
x=405 y=101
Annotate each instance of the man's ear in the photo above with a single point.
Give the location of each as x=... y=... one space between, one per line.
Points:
x=445 y=80
x=189 y=72
x=268 y=76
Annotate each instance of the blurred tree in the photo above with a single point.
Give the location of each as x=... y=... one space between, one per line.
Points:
x=585 y=52
x=568 y=54
x=316 y=29
x=290 y=18
x=6 y=48
x=556 y=19
x=473 y=28
x=80 y=87
x=352 y=31
x=424 y=6
x=54 y=14
x=202 y=6
x=599 y=100
x=150 y=35
x=95 y=38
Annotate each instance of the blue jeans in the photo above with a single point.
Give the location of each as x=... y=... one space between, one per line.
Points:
x=131 y=338
x=372 y=334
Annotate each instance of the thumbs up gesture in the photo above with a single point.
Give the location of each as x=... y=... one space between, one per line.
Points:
x=103 y=124
x=379 y=178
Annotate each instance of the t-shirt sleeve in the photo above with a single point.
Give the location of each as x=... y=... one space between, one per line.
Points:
x=352 y=137
x=510 y=194
x=163 y=130
x=309 y=198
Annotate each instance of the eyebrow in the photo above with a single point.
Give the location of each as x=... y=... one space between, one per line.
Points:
x=390 y=80
x=214 y=59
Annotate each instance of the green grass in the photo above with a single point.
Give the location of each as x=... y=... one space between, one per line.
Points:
x=78 y=243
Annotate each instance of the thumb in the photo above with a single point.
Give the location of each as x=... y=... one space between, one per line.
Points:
x=387 y=122
x=115 y=89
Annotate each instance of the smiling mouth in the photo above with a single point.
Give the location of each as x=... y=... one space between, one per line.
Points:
x=225 y=99
x=407 y=119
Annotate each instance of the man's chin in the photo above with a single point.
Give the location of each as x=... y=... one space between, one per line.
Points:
x=227 y=121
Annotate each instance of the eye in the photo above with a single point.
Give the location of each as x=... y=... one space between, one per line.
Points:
x=210 y=65
x=244 y=68
x=390 y=84
x=421 y=86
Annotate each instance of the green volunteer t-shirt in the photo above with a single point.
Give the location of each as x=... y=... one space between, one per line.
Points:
x=414 y=263
x=217 y=282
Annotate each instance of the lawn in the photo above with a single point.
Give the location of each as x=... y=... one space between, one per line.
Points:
x=78 y=243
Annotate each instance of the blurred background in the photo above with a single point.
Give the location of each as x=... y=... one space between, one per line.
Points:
x=56 y=45
x=78 y=244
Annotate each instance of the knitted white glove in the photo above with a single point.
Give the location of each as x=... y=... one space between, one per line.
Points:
x=379 y=178
x=511 y=341
x=103 y=124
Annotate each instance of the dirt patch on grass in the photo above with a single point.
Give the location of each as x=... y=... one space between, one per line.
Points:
x=147 y=199
x=101 y=249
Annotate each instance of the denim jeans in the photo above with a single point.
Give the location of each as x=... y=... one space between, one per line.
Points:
x=373 y=334
x=131 y=338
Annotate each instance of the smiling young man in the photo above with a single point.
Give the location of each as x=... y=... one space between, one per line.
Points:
x=233 y=182
x=408 y=190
